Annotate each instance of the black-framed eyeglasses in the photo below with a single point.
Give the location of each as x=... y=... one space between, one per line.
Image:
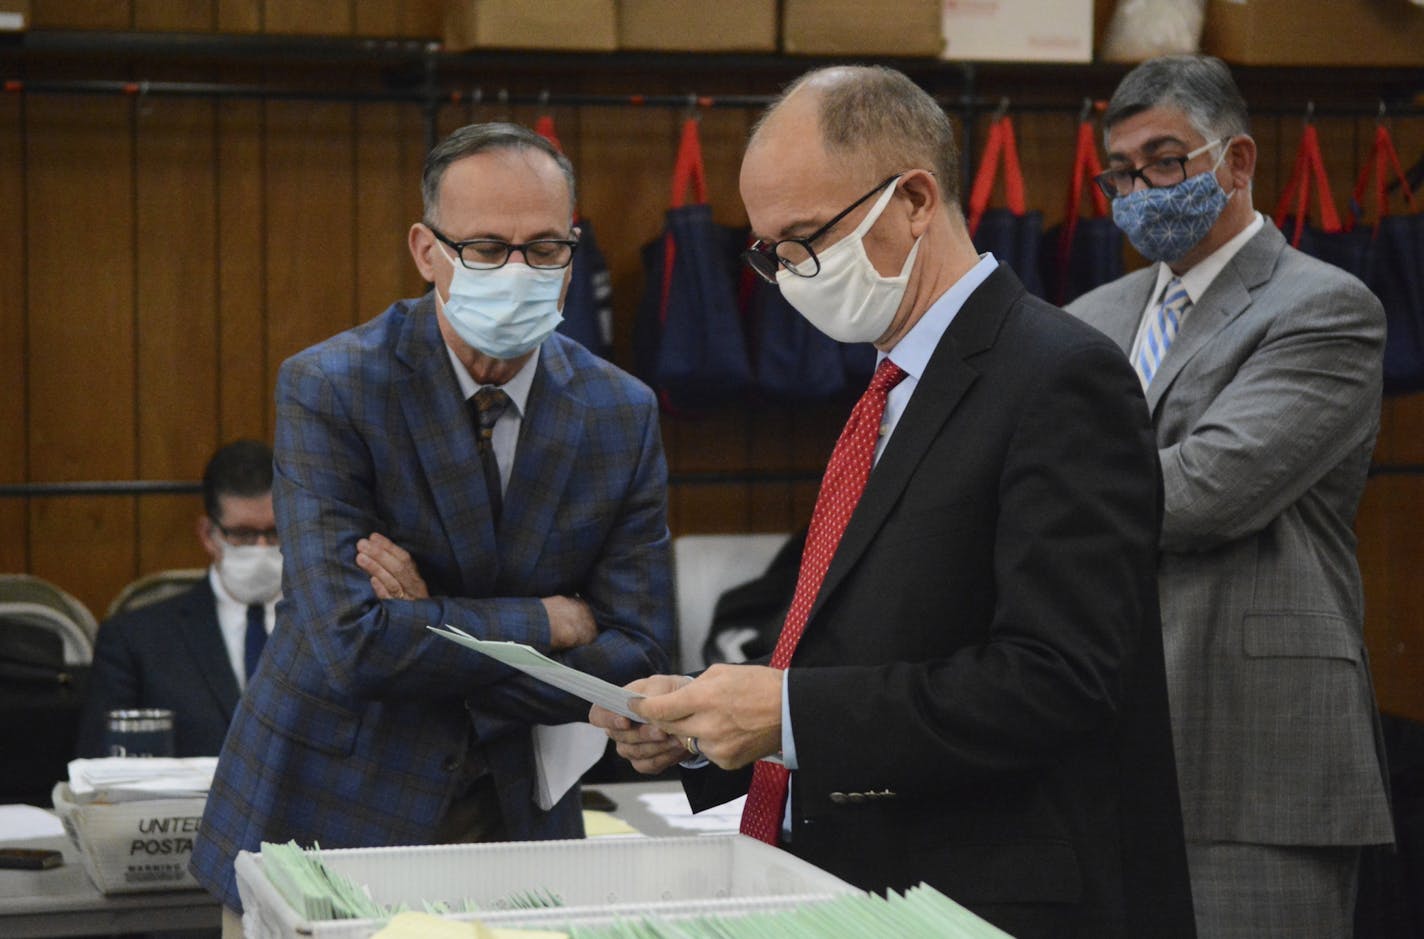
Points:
x=1158 y=174
x=796 y=254
x=245 y=537
x=490 y=254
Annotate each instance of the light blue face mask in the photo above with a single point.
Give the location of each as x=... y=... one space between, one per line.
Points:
x=1167 y=222
x=506 y=312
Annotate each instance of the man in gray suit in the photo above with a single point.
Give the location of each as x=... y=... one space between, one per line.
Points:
x=1262 y=372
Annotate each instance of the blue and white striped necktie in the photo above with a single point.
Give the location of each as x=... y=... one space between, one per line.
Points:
x=1162 y=328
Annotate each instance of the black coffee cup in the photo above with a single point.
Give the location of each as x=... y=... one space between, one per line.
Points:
x=140 y=732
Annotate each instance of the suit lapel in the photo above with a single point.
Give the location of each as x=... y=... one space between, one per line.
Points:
x=1123 y=315
x=202 y=635
x=443 y=435
x=1224 y=300
x=549 y=433
x=946 y=379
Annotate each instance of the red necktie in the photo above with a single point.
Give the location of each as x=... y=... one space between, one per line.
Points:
x=841 y=487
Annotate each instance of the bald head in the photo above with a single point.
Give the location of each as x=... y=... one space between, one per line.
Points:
x=872 y=120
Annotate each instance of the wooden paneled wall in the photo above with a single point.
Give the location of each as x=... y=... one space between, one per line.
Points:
x=160 y=257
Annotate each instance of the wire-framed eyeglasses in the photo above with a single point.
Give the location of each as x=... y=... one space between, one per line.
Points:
x=1160 y=173
x=796 y=254
x=490 y=254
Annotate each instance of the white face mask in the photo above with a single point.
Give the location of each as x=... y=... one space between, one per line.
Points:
x=251 y=573
x=849 y=300
x=506 y=312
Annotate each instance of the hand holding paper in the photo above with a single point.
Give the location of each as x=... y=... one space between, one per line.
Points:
x=535 y=664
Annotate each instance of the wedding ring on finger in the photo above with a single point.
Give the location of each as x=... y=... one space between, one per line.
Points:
x=691 y=744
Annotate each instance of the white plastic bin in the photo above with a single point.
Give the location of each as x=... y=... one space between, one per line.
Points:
x=595 y=879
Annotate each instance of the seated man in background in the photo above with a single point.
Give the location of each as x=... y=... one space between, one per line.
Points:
x=193 y=653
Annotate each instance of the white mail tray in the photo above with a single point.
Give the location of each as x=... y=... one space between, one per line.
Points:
x=595 y=880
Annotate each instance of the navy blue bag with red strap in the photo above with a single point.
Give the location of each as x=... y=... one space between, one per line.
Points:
x=588 y=307
x=1012 y=234
x=1395 y=271
x=688 y=339
x=795 y=360
x=1081 y=253
x=1327 y=239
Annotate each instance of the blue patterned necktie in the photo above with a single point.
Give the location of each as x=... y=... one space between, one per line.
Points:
x=1162 y=328
x=256 y=637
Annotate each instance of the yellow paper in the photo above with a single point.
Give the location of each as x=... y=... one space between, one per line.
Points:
x=596 y=824
x=411 y=925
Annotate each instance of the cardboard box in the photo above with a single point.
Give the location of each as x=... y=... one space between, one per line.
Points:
x=595 y=879
x=854 y=27
x=132 y=847
x=697 y=25
x=1018 y=30
x=14 y=16
x=557 y=25
x=1341 y=32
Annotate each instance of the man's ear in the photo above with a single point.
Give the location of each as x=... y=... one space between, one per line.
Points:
x=422 y=247
x=204 y=529
x=1241 y=160
x=923 y=192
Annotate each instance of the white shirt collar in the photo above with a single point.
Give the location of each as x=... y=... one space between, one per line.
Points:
x=912 y=353
x=1199 y=278
x=517 y=387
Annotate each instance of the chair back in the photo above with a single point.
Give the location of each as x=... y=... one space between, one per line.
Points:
x=154 y=587
x=703 y=567
x=27 y=588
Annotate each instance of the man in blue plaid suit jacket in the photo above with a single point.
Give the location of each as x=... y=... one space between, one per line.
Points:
x=362 y=727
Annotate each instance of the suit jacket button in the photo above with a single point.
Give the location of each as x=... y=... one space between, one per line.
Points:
x=838 y=798
x=451 y=764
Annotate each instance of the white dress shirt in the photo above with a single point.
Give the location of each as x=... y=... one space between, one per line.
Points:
x=506 y=429
x=1195 y=281
x=232 y=620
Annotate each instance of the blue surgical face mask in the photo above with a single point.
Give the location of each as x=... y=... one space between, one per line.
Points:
x=1167 y=222
x=506 y=312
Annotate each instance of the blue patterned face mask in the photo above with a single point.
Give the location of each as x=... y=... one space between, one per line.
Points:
x=1167 y=222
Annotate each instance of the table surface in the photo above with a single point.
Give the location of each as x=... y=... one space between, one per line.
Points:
x=63 y=901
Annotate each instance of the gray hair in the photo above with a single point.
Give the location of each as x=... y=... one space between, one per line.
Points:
x=478 y=138
x=1200 y=86
x=878 y=116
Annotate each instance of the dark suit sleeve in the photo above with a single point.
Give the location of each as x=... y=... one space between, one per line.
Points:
x=114 y=684
x=1073 y=551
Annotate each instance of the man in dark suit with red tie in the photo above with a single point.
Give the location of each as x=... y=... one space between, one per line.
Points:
x=193 y=653
x=968 y=689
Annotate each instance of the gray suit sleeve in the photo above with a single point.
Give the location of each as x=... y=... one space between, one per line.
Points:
x=1301 y=401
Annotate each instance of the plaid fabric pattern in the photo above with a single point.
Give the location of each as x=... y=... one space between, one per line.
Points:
x=359 y=720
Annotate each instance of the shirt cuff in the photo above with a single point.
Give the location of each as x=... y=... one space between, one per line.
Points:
x=788 y=742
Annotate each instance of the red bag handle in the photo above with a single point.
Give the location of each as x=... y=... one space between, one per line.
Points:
x=1308 y=170
x=1085 y=167
x=1381 y=160
x=689 y=168
x=544 y=127
x=1001 y=144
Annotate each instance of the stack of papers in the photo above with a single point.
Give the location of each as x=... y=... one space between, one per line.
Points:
x=920 y=913
x=673 y=808
x=136 y=779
